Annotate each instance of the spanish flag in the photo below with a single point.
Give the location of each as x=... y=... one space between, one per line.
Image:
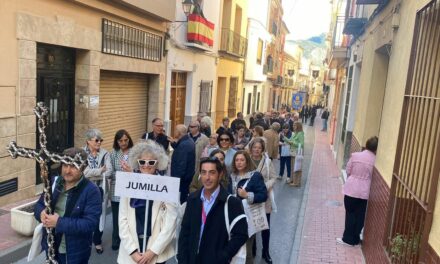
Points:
x=200 y=30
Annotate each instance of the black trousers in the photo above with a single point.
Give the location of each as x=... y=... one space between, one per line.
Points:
x=115 y=215
x=97 y=235
x=265 y=236
x=355 y=209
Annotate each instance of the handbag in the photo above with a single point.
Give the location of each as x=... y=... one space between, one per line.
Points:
x=298 y=159
x=240 y=257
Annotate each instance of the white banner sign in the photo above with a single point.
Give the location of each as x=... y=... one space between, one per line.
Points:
x=148 y=187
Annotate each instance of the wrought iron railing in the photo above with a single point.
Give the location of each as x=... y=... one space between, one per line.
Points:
x=119 y=39
x=233 y=43
x=339 y=39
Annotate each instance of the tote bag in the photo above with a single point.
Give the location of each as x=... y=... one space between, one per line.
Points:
x=256 y=215
x=240 y=257
x=298 y=159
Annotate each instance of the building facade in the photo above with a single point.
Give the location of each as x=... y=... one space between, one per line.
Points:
x=232 y=53
x=95 y=64
x=192 y=60
x=392 y=92
x=255 y=76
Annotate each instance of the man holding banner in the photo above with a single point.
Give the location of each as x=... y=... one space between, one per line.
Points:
x=204 y=236
x=148 y=207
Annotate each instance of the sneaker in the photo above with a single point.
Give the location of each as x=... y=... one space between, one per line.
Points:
x=340 y=241
x=280 y=177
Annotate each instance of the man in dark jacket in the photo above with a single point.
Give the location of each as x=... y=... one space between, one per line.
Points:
x=203 y=237
x=77 y=206
x=259 y=121
x=183 y=160
x=158 y=134
x=238 y=122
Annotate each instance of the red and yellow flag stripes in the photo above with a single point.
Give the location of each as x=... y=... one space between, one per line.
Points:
x=200 y=30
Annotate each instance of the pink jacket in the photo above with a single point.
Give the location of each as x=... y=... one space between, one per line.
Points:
x=359 y=171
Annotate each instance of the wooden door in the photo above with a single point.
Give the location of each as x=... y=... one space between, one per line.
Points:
x=178 y=93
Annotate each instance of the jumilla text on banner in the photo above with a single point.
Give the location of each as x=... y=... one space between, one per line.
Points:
x=147 y=187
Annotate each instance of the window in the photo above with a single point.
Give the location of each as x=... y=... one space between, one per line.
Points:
x=258 y=101
x=119 y=39
x=232 y=107
x=205 y=96
x=259 y=51
x=269 y=63
x=347 y=103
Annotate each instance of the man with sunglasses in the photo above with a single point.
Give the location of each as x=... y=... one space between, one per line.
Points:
x=200 y=140
x=203 y=236
x=158 y=134
x=183 y=160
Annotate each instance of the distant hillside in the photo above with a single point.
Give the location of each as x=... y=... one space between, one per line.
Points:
x=318 y=39
x=314 y=48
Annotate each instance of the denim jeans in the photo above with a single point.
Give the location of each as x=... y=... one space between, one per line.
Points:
x=285 y=161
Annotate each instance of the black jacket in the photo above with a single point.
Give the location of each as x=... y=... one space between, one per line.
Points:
x=183 y=161
x=161 y=139
x=215 y=246
x=260 y=122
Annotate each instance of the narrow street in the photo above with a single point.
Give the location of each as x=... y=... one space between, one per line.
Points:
x=285 y=223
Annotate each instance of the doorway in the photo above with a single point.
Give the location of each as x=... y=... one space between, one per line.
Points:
x=56 y=88
x=178 y=93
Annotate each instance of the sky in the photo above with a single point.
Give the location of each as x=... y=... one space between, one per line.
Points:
x=306 y=18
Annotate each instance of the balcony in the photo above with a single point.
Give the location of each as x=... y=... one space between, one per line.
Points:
x=233 y=43
x=355 y=26
x=278 y=80
x=340 y=40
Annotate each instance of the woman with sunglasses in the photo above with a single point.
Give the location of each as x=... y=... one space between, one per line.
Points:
x=265 y=166
x=247 y=184
x=122 y=144
x=98 y=170
x=225 y=142
x=196 y=183
x=148 y=158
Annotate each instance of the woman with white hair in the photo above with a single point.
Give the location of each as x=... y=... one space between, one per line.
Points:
x=148 y=158
x=98 y=170
x=205 y=126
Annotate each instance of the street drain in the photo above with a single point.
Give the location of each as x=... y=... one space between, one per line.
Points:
x=333 y=203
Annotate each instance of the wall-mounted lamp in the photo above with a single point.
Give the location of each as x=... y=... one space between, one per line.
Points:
x=187 y=6
x=291 y=72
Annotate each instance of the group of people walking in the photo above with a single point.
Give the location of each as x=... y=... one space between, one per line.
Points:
x=219 y=173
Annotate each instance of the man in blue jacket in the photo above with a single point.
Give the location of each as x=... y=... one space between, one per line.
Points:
x=183 y=160
x=77 y=206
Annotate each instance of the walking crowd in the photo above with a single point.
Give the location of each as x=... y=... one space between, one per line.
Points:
x=224 y=175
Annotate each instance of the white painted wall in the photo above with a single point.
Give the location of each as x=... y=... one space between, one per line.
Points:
x=199 y=65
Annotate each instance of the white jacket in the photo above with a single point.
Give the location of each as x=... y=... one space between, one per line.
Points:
x=163 y=222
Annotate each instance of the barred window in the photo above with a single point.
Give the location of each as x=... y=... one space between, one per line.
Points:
x=205 y=96
x=119 y=39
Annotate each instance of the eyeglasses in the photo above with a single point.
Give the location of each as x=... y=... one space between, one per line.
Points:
x=158 y=125
x=147 y=162
x=193 y=126
x=225 y=139
x=99 y=140
x=123 y=140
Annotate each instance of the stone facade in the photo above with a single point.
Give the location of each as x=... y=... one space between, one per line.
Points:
x=73 y=25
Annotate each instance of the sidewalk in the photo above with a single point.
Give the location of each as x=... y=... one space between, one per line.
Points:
x=12 y=244
x=324 y=210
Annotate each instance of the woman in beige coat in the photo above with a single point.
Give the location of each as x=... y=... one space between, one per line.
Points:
x=265 y=166
x=149 y=158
